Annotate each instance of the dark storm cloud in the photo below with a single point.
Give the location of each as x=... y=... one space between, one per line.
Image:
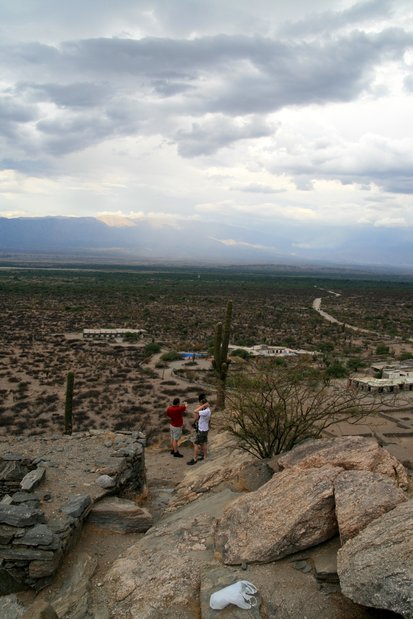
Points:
x=75 y=95
x=304 y=72
x=107 y=87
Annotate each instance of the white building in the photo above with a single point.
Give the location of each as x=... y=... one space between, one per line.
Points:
x=111 y=334
x=263 y=350
x=392 y=379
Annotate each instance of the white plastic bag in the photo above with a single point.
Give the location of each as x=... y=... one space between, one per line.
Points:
x=241 y=594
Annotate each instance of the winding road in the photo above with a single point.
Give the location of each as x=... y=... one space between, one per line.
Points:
x=317 y=307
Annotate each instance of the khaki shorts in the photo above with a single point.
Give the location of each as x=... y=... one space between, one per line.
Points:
x=175 y=432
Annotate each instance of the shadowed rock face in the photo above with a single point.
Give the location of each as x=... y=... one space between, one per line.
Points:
x=376 y=567
x=349 y=452
x=291 y=512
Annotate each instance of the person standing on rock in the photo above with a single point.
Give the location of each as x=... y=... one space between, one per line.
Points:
x=202 y=415
x=175 y=414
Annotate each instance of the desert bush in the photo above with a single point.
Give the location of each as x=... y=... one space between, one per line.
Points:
x=271 y=408
x=171 y=355
x=336 y=370
x=382 y=349
x=354 y=363
x=152 y=348
x=240 y=352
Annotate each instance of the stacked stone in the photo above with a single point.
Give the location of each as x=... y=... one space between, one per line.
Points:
x=13 y=468
x=31 y=548
x=131 y=448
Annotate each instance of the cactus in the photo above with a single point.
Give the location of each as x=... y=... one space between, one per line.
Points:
x=221 y=362
x=69 y=402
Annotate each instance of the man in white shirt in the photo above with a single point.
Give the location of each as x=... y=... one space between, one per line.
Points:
x=202 y=415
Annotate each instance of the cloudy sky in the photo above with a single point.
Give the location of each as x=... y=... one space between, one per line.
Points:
x=213 y=110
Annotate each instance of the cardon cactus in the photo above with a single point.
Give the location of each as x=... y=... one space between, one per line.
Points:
x=69 y=403
x=221 y=362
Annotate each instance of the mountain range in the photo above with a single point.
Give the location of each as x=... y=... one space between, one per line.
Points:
x=210 y=242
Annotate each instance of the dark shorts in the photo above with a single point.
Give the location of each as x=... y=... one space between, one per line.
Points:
x=201 y=437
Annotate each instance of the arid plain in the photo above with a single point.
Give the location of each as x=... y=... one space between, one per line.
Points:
x=45 y=311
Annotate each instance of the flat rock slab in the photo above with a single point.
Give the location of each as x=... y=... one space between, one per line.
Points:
x=77 y=505
x=160 y=576
x=216 y=578
x=32 y=479
x=283 y=593
x=350 y=453
x=376 y=567
x=73 y=599
x=291 y=512
x=120 y=515
x=24 y=515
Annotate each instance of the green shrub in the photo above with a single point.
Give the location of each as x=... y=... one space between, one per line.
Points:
x=240 y=352
x=336 y=370
x=152 y=348
x=171 y=355
x=382 y=349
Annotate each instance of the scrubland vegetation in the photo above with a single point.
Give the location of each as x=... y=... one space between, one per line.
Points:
x=45 y=311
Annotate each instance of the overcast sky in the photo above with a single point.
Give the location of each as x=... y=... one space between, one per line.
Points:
x=225 y=110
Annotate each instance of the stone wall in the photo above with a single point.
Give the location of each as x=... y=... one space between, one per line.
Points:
x=44 y=502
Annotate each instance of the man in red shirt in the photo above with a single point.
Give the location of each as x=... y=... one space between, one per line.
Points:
x=175 y=414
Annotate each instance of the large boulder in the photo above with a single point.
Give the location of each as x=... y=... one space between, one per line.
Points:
x=376 y=567
x=291 y=512
x=350 y=453
x=362 y=496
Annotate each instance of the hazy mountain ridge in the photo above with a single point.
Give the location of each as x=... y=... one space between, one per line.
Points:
x=210 y=241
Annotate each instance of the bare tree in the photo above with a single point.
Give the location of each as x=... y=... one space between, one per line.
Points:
x=272 y=407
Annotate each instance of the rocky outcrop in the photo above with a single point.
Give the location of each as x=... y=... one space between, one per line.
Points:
x=350 y=453
x=172 y=571
x=160 y=576
x=236 y=522
x=230 y=467
x=376 y=566
x=361 y=497
x=291 y=512
x=39 y=524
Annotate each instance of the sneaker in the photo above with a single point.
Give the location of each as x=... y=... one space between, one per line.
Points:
x=192 y=461
x=172 y=452
x=177 y=455
x=200 y=458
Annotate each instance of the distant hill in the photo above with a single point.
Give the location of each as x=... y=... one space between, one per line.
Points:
x=211 y=242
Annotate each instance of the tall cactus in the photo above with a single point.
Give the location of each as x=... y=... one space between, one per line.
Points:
x=69 y=403
x=221 y=361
